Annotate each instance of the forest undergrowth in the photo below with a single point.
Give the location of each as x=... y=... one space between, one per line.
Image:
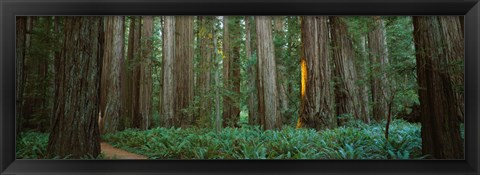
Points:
x=355 y=140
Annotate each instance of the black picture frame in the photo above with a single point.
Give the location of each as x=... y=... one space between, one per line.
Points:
x=10 y=8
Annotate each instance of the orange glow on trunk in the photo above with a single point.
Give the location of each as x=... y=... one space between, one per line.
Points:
x=304 y=77
x=304 y=88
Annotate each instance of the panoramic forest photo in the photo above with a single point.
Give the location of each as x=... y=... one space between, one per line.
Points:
x=240 y=87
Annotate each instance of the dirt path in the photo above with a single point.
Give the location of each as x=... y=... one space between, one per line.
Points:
x=114 y=153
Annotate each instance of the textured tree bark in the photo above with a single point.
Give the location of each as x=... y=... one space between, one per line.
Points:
x=363 y=73
x=124 y=85
x=75 y=132
x=56 y=56
x=438 y=42
x=21 y=32
x=110 y=82
x=452 y=32
x=145 y=66
x=347 y=98
x=231 y=71
x=168 y=61
x=267 y=74
x=135 y=64
x=252 y=77
x=226 y=71
x=316 y=94
x=378 y=56
x=204 y=80
x=132 y=74
x=282 y=82
x=183 y=70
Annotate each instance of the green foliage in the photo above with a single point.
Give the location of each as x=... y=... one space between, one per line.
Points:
x=355 y=140
x=32 y=145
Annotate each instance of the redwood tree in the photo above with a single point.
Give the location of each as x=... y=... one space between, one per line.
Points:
x=110 y=80
x=206 y=35
x=183 y=70
x=145 y=74
x=347 y=98
x=378 y=59
x=75 y=131
x=231 y=70
x=167 y=108
x=317 y=108
x=21 y=32
x=267 y=73
x=252 y=76
x=439 y=45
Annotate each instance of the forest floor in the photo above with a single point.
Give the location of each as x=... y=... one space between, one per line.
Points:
x=114 y=153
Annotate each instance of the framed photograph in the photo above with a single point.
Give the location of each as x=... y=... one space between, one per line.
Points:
x=239 y=87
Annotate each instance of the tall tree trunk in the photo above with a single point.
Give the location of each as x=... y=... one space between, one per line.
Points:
x=145 y=83
x=231 y=70
x=125 y=83
x=29 y=71
x=363 y=71
x=452 y=32
x=348 y=100
x=56 y=56
x=183 y=70
x=132 y=74
x=135 y=64
x=252 y=80
x=21 y=32
x=206 y=60
x=110 y=82
x=378 y=58
x=217 y=58
x=282 y=81
x=438 y=44
x=75 y=131
x=168 y=63
x=316 y=91
x=267 y=74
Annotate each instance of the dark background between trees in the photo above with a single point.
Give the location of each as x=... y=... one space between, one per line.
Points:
x=81 y=77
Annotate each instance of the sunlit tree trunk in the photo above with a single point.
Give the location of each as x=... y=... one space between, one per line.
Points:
x=183 y=70
x=75 y=131
x=110 y=80
x=167 y=108
x=378 y=59
x=252 y=77
x=317 y=108
x=267 y=74
x=439 y=48
x=348 y=100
